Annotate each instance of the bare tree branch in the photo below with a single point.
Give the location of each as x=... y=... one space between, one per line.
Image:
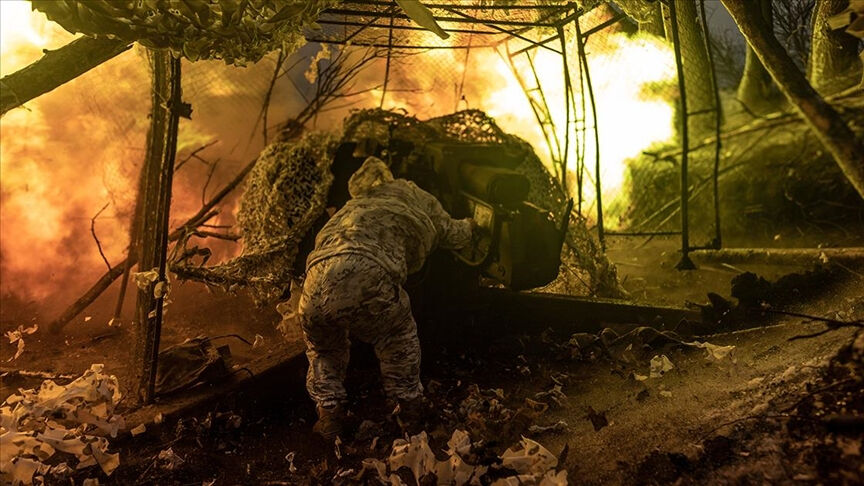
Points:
x=202 y=216
x=265 y=107
x=194 y=154
x=96 y=238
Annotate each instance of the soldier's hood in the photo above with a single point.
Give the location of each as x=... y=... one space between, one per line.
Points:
x=373 y=172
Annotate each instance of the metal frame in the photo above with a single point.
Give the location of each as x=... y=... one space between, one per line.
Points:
x=686 y=262
x=370 y=15
x=357 y=13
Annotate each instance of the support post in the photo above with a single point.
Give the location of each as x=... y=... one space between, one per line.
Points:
x=387 y=65
x=718 y=119
x=583 y=61
x=154 y=205
x=686 y=263
x=568 y=96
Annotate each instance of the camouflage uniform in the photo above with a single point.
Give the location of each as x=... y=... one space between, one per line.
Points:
x=354 y=280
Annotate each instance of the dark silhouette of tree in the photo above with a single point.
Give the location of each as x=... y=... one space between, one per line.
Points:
x=834 y=63
x=757 y=91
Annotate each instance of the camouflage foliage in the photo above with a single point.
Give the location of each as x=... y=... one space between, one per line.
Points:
x=236 y=31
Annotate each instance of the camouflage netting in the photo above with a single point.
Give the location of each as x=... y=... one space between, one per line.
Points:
x=287 y=190
x=585 y=270
x=234 y=30
x=285 y=193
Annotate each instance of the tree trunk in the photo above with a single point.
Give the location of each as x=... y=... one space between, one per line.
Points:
x=697 y=68
x=757 y=90
x=56 y=68
x=834 y=64
x=154 y=204
x=822 y=118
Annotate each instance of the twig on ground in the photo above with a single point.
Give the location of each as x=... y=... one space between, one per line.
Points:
x=832 y=324
x=754 y=417
x=816 y=392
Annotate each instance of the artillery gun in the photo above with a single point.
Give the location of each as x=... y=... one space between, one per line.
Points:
x=519 y=243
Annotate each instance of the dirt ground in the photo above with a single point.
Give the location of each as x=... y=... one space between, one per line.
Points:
x=771 y=412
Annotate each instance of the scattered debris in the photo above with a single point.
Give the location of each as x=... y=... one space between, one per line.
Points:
x=715 y=352
x=555 y=395
x=140 y=429
x=660 y=365
x=557 y=428
x=598 y=419
x=337 y=447
x=290 y=459
x=531 y=462
x=144 y=279
x=72 y=419
x=192 y=362
x=17 y=336
x=162 y=289
x=259 y=341
x=168 y=460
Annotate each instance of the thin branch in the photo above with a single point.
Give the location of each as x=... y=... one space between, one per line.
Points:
x=203 y=215
x=754 y=417
x=210 y=173
x=194 y=154
x=96 y=238
x=214 y=234
x=265 y=106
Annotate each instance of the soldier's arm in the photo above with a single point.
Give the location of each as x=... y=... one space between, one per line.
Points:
x=453 y=234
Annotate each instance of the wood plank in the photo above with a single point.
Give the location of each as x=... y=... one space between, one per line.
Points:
x=285 y=360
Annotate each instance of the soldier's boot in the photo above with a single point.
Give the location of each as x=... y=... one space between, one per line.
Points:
x=413 y=415
x=331 y=422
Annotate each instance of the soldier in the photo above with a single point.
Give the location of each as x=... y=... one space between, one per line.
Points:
x=354 y=278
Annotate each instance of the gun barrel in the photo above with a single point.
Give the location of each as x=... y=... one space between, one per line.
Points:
x=494 y=184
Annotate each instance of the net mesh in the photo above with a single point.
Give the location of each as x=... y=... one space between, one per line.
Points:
x=285 y=193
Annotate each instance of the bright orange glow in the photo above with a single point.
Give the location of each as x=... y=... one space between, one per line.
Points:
x=623 y=68
x=66 y=154
x=23 y=35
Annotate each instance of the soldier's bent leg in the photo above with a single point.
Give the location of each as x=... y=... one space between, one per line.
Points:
x=327 y=345
x=398 y=351
x=328 y=364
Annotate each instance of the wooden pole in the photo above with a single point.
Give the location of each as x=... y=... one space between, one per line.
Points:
x=784 y=256
x=56 y=68
x=827 y=124
x=155 y=205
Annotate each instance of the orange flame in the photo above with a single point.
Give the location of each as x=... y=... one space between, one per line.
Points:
x=71 y=151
